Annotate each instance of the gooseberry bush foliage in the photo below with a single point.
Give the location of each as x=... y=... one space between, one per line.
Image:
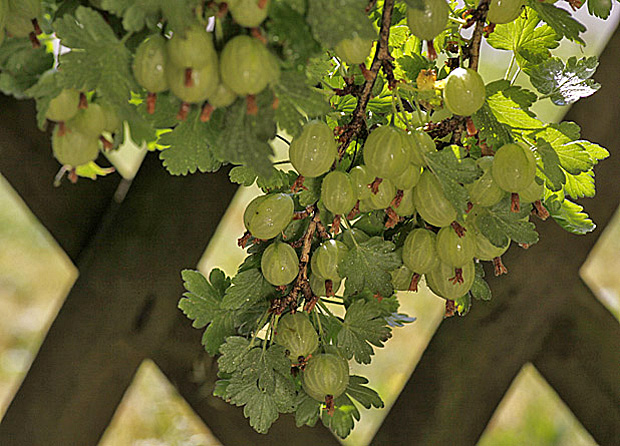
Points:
x=406 y=163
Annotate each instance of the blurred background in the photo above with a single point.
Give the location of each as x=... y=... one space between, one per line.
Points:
x=36 y=275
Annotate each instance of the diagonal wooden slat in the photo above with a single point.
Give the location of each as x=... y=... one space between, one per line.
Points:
x=120 y=309
x=71 y=213
x=470 y=362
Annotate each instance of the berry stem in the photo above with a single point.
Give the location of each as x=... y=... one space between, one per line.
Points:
x=207 y=111
x=413 y=286
x=189 y=81
x=515 y=203
x=183 y=111
x=498 y=267
x=540 y=210
x=151 y=100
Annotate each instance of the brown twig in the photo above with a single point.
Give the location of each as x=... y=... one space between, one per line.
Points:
x=383 y=60
x=476 y=38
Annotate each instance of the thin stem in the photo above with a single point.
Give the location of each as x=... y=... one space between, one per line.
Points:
x=514 y=78
x=259 y=326
x=512 y=62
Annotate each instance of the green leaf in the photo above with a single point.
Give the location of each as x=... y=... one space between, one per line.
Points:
x=363 y=325
x=550 y=165
x=97 y=60
x=190 y=146
x=412 y=64
x=368 y=265
x=243 y=138
x=298 y=102
x=233 y=352
x=46 y=89
x=312 y=191
x=343 y=420
x=571 y=217
x=491 y=131
x=451 y=169
x=21 y=65
x=287 y=27
x=261 y=382
x=529 y=42
x=334 y=20
x=581 y=185
x=137 y=14
x=599 y=8
x=202 y=303
x=279 y=179
x=480 y=289
x=510 y=103
x=364 y=395
x=573 y=156
x=498 y=223
x=248 y=287
x=559 y=19
x=308 y=410
x=565 y=84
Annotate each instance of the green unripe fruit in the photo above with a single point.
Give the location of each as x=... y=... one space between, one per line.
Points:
x=353 y=237
x=266 y=216
x=247 y=13
x=314 y=151
x=401 y=278
x=464 y=92
x=419 y=251
x=422 y=144
x=64 y=106
x=325 y=374
x=454 y=250
x=337 y=193
x=317 y=284
x=279 y=264
x=74 y=148
x=193 y=50
x=222 y=96
x=431 y=202
x=112 y=121
x=485 y=191
x=387 y=151
x=326 y=258
x=204 y=81
x=354 y=51
x=90 y=121
x=504 y=11
x=514 y=167
x=487 y=251
x=429 y=22
x=384 y=196
x=533 y=192
x=296 y=334
x=362 y=177
x=409 y=178
x=440 y=283
x=406 y=206
x=246 y=66
x=149 y=64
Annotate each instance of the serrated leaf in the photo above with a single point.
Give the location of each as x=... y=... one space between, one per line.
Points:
x=452 y=168
x=21 y=65
x=363 y=325
x=312 y=191
x=342 y=421
x=499 y=224
x=559 y=19
x=364 y=395
x=412 y=64
x=491 y=131
x=190 y=146
x=571 y=217
x=334 y=20
x=248 y=287
x=97 y=60
x=529 y=42
x=599 y=8
x=368 y=265
x=308 y=410
x=298 y=102
x=233 y=352
x=202 y=304
x=573 y=156
x=137 y=14
x=565 y=84
x=480 y=289
x=582 y=185
x=510 y=103
x=243 y=138
x=550 y=165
